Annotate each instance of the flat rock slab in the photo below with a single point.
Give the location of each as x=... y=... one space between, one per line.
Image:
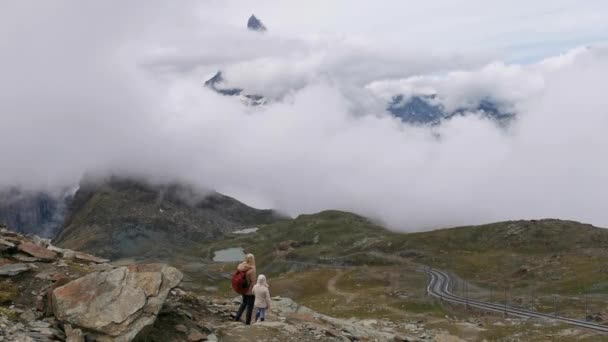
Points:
x=55 y=249
x=13 y=269
x=12 y=239
x=37 y=251
x=23 y=257
x=6 y=243
x=116 y=304
x=90 y=258
x=7 y=232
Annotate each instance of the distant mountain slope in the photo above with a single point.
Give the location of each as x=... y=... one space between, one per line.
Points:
x=549 y=256
x=339 y=233
x=327 y=237
x=36 y=213
x=525 y=236
x=124 y=217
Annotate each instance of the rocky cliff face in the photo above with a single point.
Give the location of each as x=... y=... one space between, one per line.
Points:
x=120 y=217
x=36 y=213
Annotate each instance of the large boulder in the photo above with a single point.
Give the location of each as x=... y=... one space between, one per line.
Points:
x=115 y=305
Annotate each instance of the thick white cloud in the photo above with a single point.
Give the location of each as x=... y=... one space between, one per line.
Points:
x=508 y=84
x=118 y=88
x=311 y=154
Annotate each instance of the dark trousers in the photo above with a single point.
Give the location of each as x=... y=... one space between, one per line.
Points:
x=246 y=303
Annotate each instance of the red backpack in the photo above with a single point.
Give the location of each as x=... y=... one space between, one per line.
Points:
x=239 y=282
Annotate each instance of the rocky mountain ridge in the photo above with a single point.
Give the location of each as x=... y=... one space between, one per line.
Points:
x=122 y=217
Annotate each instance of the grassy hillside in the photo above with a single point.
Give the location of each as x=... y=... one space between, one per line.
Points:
x=536 y=236
x=547 y=256
x=345 y=265
x=329 y=237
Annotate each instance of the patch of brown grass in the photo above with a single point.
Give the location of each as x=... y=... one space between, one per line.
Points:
x=8 y=292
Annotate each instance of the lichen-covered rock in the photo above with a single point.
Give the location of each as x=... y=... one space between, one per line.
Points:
x=115 y=305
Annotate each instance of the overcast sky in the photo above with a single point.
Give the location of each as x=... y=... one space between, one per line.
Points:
x=517 y=29
x=116 y=87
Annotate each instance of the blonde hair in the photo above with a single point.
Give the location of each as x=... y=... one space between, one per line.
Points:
x=250 y=259
x=262 y=280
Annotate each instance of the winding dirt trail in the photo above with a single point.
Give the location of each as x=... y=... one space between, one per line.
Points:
x=331 y=287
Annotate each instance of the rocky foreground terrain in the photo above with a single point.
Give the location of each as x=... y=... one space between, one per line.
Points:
x=53 y=294
x=335 y=276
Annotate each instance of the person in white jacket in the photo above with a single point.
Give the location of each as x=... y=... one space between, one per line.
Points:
x=262 y=298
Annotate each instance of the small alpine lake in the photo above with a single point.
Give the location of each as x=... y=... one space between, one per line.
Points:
x=233 y=254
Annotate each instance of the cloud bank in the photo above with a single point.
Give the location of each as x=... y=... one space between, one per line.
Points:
x=87 y=88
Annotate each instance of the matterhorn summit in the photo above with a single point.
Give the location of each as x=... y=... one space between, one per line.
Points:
x=255 y=24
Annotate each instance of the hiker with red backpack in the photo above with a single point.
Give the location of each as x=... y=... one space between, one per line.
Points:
x=242 y=282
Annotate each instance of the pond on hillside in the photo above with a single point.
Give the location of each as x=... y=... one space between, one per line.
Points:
x=229 y=255
x=246 y=231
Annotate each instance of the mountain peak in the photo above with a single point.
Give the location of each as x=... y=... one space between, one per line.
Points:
x=255 y=24
x=216 y=79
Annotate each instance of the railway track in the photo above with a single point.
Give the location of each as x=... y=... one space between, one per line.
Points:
x=440 y=286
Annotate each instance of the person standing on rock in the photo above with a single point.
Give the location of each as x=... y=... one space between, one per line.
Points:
x=247 y=266
x=262 y=298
